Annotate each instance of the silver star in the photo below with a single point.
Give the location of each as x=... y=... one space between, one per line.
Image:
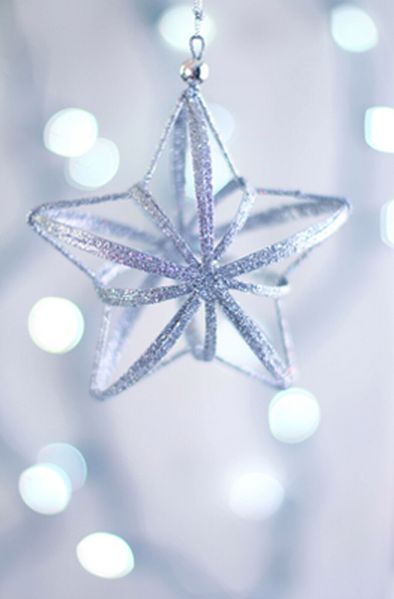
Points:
x=204 y=277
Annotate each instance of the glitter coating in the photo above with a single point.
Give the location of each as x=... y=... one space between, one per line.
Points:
x=192 y=253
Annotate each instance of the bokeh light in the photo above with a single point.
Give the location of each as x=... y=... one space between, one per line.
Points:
x=69 y=459
x=293 y=415
x=106 y=555
x=95 y=168
x=387 y=223
x=55 y=324
x=176 y=26
x=353 y=29
x=45 y=488
x=70 y=132
x=379 y=128
x=256 y=495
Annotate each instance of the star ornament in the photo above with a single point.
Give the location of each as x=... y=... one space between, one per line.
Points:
x=192 y=254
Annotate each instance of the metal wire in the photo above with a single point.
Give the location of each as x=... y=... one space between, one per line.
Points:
x=197 y=42
x=198 y=16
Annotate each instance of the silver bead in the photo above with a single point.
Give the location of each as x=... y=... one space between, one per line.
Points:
x=193 y=70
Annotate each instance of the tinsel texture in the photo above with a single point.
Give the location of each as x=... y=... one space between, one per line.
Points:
x=192 y=252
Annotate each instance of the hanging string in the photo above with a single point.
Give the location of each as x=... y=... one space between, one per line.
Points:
x=198 y=16
x=197 y=42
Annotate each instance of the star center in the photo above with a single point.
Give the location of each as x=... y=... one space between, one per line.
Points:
x=207 y=282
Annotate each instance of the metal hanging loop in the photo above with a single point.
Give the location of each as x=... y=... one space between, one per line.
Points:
x=197 y=46
x=194 y=71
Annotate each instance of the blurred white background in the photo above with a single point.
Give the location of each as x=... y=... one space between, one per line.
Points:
x=193 y=467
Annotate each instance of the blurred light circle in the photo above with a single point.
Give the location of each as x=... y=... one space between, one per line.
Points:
x=379 y=128
x=55 y=324
x=176 y=26
x=106 y=555
x=256 y=495
x=45 y=488
x=70 y=132
x=69 y=459
x=95 y=168
x=353 y=29
x=387 y=223
x=223 y=120
x=293 y=415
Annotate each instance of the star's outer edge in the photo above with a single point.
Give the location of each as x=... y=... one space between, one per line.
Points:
x=300 y=243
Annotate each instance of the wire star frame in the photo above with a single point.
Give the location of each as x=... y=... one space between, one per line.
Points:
x=187 y=252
